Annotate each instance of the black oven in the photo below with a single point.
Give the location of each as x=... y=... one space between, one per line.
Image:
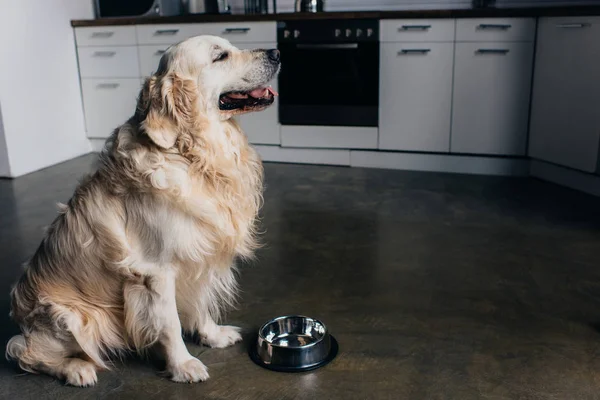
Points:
x=330 y=72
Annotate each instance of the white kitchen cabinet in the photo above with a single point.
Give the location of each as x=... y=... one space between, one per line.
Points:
x=238 y=32
x=112 y=61
x=415 y=96
x=495 y=30
x=417 y=30
x=108 y=103
x=149 y=58
x=492 y=83
x=565 y=112
x=262 y=127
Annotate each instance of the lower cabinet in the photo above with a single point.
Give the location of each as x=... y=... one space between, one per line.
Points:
x=415 y=98
x=492 y=84
x=261 y=127
x=107 y=103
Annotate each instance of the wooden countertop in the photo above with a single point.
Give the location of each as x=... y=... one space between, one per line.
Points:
x=463 y=13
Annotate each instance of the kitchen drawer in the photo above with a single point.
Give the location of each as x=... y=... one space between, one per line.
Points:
x=417 y=30
x=492 y=83
x=149 y=58
x=108 y=62
x=235 y=32
x=105 y=36
x=108 y=103
x=495 y=30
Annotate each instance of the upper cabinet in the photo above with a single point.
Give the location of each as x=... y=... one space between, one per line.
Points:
x=415 y=95
x=565 y=112
x=492 y=84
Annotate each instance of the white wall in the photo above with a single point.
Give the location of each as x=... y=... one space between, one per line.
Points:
x=4 y=165
x=42 y=112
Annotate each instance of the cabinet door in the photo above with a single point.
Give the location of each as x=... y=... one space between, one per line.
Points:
x=108 y=103
x=492 y=86
x=415 y=96
x=565 y=111
x=261 y=127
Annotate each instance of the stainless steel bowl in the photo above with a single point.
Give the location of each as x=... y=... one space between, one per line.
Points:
x=294 y=343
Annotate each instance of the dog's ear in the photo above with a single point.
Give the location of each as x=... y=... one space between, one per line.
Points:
x=167 y=105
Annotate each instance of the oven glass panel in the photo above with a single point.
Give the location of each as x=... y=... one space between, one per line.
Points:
x=327 y=80
x=320 y=74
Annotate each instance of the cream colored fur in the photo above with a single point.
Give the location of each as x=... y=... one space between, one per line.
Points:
x=147 y=243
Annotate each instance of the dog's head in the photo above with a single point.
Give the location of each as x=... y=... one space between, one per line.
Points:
x=206 y=78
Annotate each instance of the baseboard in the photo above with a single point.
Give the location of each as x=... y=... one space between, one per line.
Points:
x=329 y=137
x=568 y=177
x=460 y=164
x=304 y=156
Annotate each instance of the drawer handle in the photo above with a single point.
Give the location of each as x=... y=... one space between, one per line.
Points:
x=107 y=85
x=104 y=53
x=503 y=27
x=572 y=26
x=413 y=51
x=493 y=51
x=166 y=32
x=102 y=34
x=160 y=52
x=236 y=30
x=414 y=27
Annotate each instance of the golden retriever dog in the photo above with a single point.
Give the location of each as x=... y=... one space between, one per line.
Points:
x=146 y=246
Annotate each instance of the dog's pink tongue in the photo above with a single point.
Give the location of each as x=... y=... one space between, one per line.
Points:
x=263 y=92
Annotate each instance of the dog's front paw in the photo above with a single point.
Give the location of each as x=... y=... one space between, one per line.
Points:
x=222 y=337
x=193 y=370
x=80 y=373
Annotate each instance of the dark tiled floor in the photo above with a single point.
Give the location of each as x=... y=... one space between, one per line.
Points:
x=436 y=286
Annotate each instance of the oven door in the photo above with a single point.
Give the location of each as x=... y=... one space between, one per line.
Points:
x=335 y=84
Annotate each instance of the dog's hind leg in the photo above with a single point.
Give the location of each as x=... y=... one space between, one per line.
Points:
x=151 y=317
x=41 y=351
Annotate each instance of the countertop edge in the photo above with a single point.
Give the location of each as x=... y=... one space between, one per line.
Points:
x=433 y=14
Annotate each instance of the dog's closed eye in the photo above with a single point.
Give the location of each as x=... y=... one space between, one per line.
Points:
x=222 y=56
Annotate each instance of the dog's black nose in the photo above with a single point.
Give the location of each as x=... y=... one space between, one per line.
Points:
x=273 y=55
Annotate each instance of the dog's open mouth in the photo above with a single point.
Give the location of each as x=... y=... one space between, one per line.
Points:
x=260 y=97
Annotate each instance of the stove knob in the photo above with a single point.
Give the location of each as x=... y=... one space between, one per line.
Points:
x=369 y=32
x=286 y=34
x=359 y=33
x=338 y=32
x=296 y=33
x=348 y=32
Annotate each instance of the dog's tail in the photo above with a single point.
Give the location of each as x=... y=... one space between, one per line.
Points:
x=15 y=347
x=15 y=350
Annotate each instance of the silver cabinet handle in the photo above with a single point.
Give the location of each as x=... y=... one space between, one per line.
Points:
x=494 y=26
x=104 y=53
x=160 y=52
x=492 y=51
x=102 y=34
x=414 y=27
x=413 y=51
x=327 y=46
x=107 y=85
x=236 y=30
x=166 y=32
x=572 y=26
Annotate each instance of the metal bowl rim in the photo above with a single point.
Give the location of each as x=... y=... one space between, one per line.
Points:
x=260 y=335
